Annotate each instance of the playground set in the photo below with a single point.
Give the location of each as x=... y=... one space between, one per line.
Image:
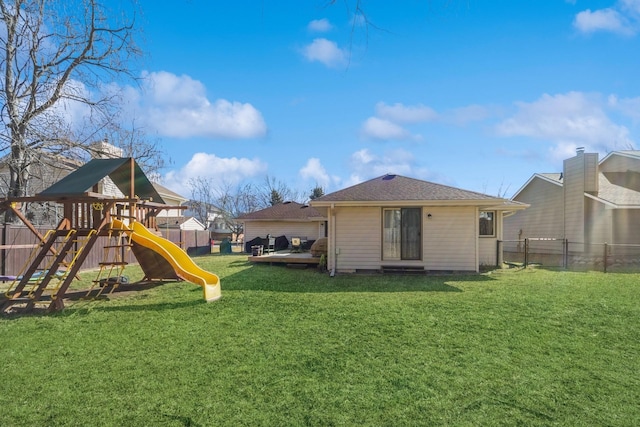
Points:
x=125 y=221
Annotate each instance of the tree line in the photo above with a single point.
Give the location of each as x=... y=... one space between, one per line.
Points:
x=230 y=201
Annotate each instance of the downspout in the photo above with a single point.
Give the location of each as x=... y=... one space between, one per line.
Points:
x=332 y=239
x=477 y=238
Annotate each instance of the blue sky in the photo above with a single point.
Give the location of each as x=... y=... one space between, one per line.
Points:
x=475 y=94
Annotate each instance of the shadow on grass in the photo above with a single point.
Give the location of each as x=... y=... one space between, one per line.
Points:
x=281 y=279
x=156 y=306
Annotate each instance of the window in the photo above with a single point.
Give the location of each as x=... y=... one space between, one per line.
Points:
x=487 y=223
x=401 y=233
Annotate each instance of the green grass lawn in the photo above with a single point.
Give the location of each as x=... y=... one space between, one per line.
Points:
x=294 y=347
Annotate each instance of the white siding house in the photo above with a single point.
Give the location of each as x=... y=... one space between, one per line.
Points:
x=398 y=222
x=289 y=219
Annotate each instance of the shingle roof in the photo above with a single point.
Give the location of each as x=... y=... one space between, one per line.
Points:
x=284 y=211
x=389 y=188
x=161 y=189
x=620 y=188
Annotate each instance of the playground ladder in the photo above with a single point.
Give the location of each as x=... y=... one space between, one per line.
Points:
x=112 y=263
x=75 y=244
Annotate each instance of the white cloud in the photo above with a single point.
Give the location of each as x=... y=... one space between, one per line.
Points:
x=320 y=25
x=611 y=20
x=69 y=109
x=381 y=129
x=230 y=170
x=326 y=52
x=569 y=120
x=366 y=165
x=399 y=113
x=630 y=6
x=629 y=107
x=315 y=171
x=621 y=18
x=388 y=121
x=177 y=106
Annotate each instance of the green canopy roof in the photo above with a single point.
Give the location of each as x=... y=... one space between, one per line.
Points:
x=83 y=179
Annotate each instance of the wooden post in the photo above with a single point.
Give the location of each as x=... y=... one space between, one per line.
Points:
x=604 y=258
x=526 y=252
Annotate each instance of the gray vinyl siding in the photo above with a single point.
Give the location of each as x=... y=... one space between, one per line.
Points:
x=618 y=163
x=599 y=223
x=626 y=229
x=543 y=218
x=574 y=185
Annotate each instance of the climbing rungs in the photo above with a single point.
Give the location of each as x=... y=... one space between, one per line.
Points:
x=113 y=263
x=117 y=246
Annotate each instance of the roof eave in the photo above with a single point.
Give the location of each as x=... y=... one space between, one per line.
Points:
x=313 y=219
x=393 y=203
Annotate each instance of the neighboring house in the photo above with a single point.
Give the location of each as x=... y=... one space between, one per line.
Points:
x=47 y=171
x=51 y=169
x=397 y=222
x=589 y=202
x=289 y=219
x=212 y=217
x=179 y=222
x=171 y=198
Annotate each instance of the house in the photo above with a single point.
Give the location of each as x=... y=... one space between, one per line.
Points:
x=396 y=222
x=211 y=216
x=289 y=219
x=171 y=198
x=589 y=202
x=179 y=223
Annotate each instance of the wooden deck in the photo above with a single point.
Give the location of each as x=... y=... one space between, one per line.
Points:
x=286 y=257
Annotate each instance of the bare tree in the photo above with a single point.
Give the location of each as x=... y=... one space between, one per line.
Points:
x=274 y=191
x=134 y=142
x=203 y=199
x=236 y=201
x=54 y=56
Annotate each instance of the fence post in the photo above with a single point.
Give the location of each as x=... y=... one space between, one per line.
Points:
x=526 y=252
x=565 y=254
x=604 y=258
x=498 y=243
x=3 y=252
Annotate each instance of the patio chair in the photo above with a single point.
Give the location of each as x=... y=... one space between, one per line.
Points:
x=296 y=244
x=271 y=244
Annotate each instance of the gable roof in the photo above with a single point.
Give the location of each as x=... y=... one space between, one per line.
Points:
x=162 y=190
x=620 y=188
x=396 y=188
x=176 y=221
x=615 y=189
x=83 y=179
x=284 y=211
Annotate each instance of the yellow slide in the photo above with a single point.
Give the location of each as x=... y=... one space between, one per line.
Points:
x=179 y=260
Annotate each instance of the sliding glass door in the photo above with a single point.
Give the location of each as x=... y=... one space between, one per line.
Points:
x=401 y=234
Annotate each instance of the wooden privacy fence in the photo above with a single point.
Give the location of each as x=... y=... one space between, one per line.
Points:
x=562 y=253
x=17 y=243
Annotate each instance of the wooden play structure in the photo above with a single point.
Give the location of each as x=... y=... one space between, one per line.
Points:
x=123 y=219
